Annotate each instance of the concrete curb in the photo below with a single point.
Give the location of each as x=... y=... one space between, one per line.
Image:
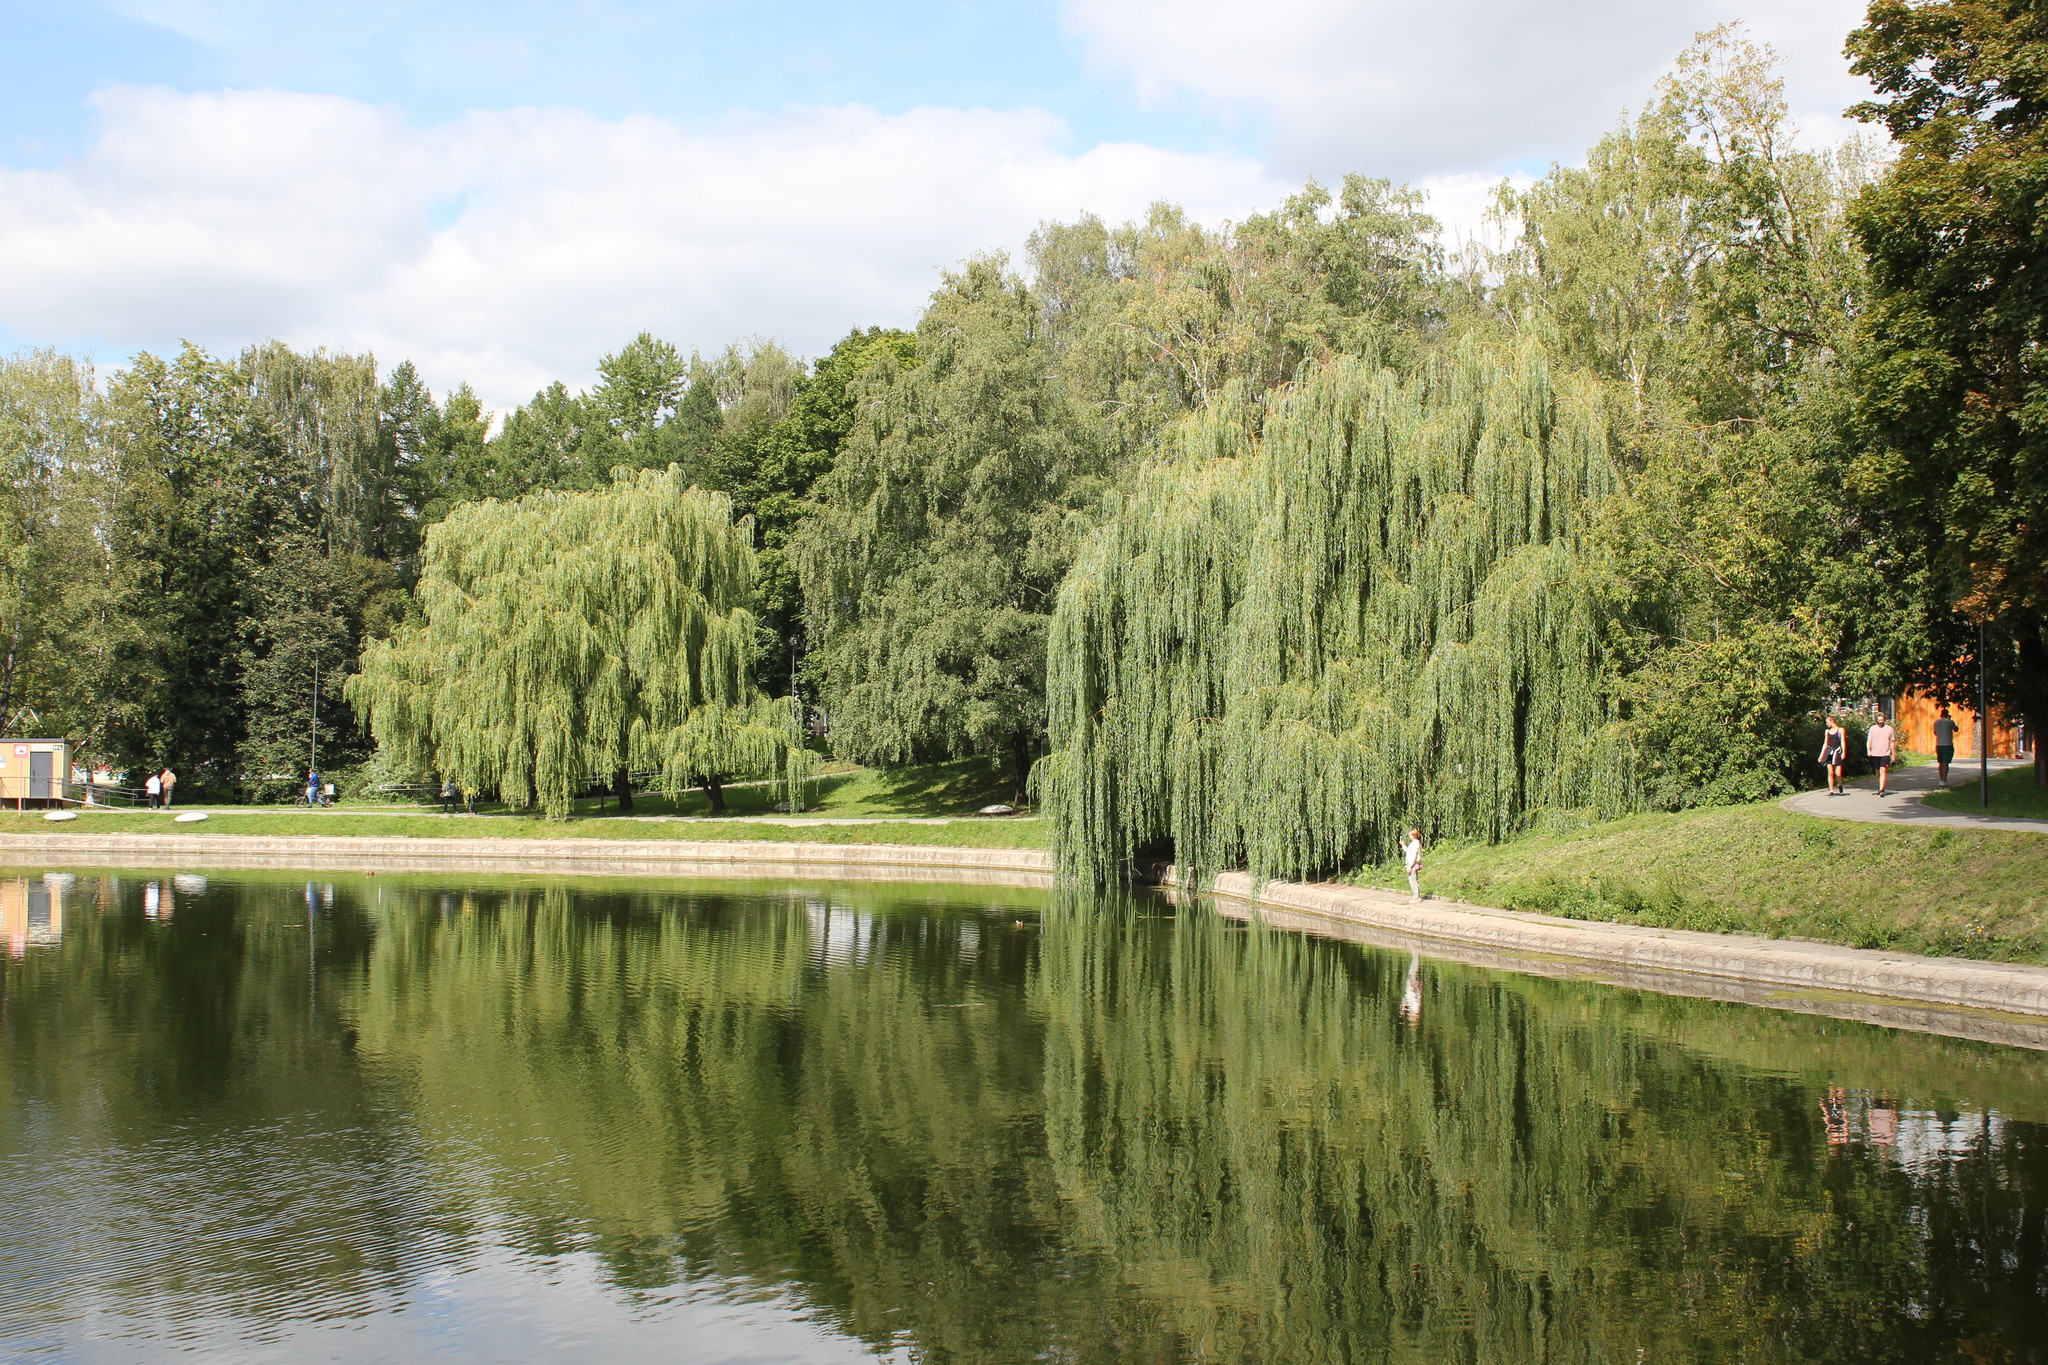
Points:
x=1954 y=983
x=574 y=857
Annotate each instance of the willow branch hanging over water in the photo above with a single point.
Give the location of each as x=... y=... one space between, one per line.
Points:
x=1315 y=625
x=566 y=636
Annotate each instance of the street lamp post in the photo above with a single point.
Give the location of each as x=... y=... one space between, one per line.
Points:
x=314 y=736
x=1983 y=730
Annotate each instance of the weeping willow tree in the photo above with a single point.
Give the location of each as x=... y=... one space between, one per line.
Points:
x=1364 y=607
x=565 y=637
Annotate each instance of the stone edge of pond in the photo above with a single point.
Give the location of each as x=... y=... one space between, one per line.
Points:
x=568 y=857
x=1804 y=970
x=1794 y=966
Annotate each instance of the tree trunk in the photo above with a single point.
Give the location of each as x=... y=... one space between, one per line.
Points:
x=714 y=790
x=1020 y=749
x=622 y=787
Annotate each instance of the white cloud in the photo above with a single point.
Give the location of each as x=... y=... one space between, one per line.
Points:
x=1408 y=90
x=510 y=248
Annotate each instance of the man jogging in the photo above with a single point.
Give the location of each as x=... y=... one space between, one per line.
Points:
x=1879 y=742
x=1944 y=743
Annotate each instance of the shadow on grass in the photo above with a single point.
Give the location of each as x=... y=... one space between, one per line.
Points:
x=929 y=791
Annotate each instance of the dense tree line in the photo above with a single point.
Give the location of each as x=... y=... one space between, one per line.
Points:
x=1805 y=427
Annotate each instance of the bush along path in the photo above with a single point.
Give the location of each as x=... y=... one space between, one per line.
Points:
x=1906 y=803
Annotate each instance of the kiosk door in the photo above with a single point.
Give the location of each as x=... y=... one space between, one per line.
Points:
x=40 y=768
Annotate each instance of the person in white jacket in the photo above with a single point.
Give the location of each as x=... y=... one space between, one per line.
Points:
x=1411 y=857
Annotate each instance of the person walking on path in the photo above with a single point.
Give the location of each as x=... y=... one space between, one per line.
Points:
x=450 y=794
x=1834 y=749
x=153 y=788
x=1944 y=743
x=1880 y=741
x=167 y=780
x=1411 y=858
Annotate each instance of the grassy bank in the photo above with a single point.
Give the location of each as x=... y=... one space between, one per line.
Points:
x=952 y=791
x=1764 y=870
x=2013 y=794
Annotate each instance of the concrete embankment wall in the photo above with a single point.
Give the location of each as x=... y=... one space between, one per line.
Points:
x=553 y=857
x=2005 y=1003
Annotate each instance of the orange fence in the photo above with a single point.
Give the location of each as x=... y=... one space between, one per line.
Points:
x=1914 y=714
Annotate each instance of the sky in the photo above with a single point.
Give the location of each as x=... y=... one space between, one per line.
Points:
x=503 y=191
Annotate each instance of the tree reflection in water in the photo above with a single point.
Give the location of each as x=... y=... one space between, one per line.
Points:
x=979 y=1125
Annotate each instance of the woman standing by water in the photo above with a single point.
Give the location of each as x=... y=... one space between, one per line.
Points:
x=1834 y=748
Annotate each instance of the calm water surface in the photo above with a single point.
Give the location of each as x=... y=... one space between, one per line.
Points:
x=251 y=1118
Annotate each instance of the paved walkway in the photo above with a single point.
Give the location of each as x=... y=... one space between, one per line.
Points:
x=1904 y=805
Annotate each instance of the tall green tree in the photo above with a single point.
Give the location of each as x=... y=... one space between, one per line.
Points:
x=566 y=638
x=641 y=394
x=777 y=469
x=1152 y=319
x=1702 y=262
x=310 y=613
x=1951 y=385
x=48 y=406
x=930 y=565
x=1371 y=605
x=323 y=411
x=204 y=483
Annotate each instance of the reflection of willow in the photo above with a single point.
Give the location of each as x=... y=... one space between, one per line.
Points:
x=1127 y=1138
x=769 y=1092
x=1183 y=1141
x=1246 y=1125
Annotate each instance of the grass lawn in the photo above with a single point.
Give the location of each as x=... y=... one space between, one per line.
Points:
x=2012 y=793
x=937 y=791
x=1764 y=870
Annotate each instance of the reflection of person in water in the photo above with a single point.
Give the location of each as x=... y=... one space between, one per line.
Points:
x=1411 y=991
x=1834 y=1112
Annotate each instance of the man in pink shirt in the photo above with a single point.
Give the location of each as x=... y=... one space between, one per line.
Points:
x=1881 y=742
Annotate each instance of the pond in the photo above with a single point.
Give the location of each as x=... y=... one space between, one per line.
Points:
x=253 y=1117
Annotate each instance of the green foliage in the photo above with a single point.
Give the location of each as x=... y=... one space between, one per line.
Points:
x=565 y=637
x=940 y=536
x=311 y=614
x=1950 y=388
x=1697 y=254
x=1151 y=320
x=48 y=407
x=1704 y=264
x=323 y=411
x=777 y=466
x=1365 y=608
x=205 y=484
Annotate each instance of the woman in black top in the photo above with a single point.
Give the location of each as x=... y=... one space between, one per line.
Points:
x=1834 y=747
